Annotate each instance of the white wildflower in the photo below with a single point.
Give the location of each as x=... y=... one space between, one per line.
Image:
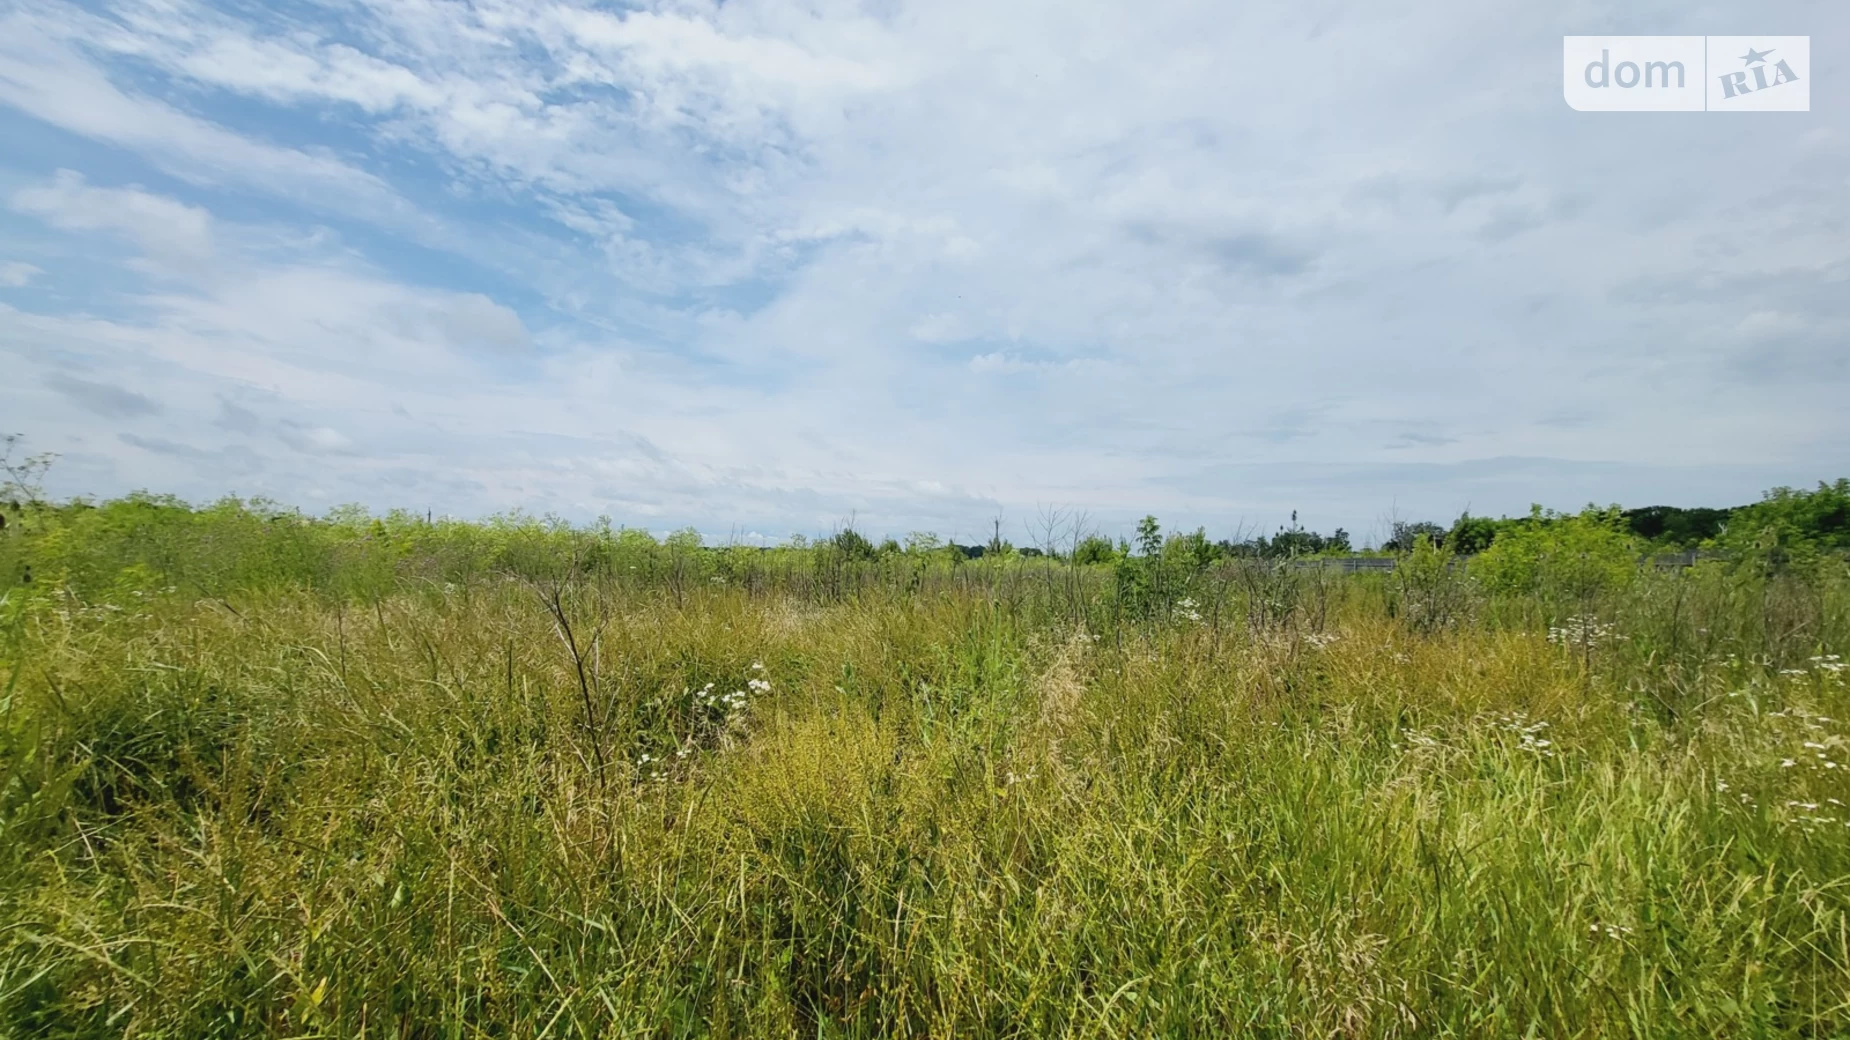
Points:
x=1581 y=632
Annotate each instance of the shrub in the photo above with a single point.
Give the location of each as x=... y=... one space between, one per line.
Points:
x=1560 y=558
x=1431 y=589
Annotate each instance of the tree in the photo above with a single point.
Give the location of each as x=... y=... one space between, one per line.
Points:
x=1404 y=535
x=1472 y=534
x=1139 y=577
x=1431 y=591
x=1149 y=537
x=853 y=545
x=923 y=542
x=1793 y=520
x=1671 y=526
x=998 y=546
x=1562 y=557
x=1189 y=552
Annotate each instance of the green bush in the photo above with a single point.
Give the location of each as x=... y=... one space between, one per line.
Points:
x=1791 y=529
x=1563 y=560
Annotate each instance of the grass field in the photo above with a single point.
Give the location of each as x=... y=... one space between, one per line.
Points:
x=890 y=799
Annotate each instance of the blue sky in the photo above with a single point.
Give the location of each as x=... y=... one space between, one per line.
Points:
x=762 y=267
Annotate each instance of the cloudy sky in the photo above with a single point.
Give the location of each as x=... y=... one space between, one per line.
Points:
x=762 y=266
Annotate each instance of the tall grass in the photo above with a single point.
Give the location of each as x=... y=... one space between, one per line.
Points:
x=331 y=796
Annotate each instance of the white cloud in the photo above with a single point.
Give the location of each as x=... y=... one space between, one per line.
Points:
x=938 y=328
x=43 y=77
x=1770 y=324
x=783 y=260
x=15 y=274
x=474 y=320
x=172 y=231
x=315 y=440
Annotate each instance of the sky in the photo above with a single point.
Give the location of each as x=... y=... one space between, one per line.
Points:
x=766 y=267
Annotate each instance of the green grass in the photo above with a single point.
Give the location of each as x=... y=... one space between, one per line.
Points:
x=960 y=809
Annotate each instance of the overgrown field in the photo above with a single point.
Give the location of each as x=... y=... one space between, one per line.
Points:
x=567 y=793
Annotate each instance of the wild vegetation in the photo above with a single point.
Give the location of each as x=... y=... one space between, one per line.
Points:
x=261 y=775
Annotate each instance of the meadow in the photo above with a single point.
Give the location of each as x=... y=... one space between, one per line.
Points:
x=268 y=776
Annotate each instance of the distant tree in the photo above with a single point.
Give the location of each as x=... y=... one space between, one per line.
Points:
x=1679 y=528
x=1472 y=534
x=1790 y=530
x=998 y=546
x=1191 y=551
x=923 y=542
x=1139 y=577
x=1249 y=548
x=1094 y=549
x=1149 y=537
x=1404 y=535
x=1820 y=516
x=1292 y=541
x=1295 y=540
x=1562 y=556
x=853 y=545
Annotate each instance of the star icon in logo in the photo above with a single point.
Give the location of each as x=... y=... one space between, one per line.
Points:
x=1754 y=57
